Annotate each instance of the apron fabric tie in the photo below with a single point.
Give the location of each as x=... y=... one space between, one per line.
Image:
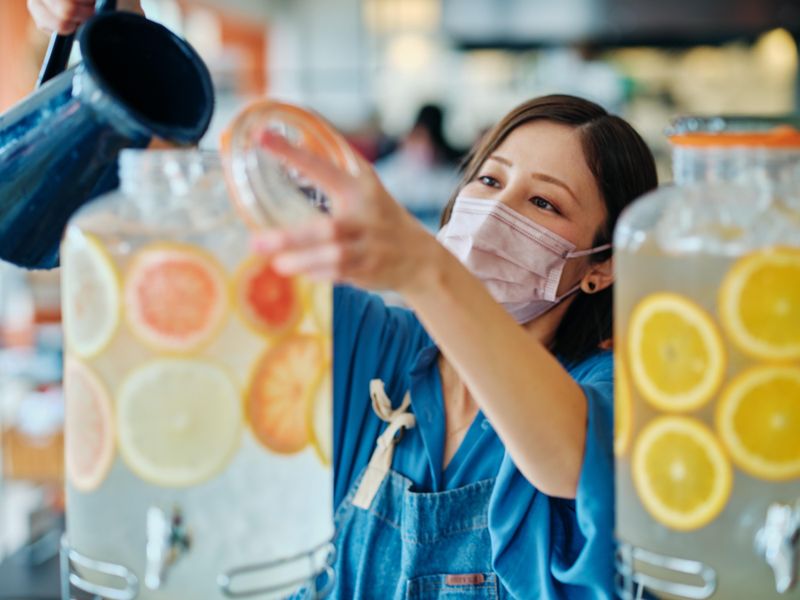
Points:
x=381 y=460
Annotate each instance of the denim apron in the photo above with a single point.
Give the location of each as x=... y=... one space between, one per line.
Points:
x=395 y=543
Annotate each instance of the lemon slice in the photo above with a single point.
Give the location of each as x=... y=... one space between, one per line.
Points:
x=90 y=294
x=623 y=409
x=759 y=304
x=268 y=302
x=89 y=427
x=675 y=352
x=681 y=473
x=280 y=392
x=321 y=298
x=179 y=421
x=758 y=419
x=176 y=297
x=320 y=417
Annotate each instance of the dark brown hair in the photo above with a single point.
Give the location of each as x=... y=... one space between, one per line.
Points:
x=623 y=168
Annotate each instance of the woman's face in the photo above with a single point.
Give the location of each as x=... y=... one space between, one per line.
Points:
x=540 y=171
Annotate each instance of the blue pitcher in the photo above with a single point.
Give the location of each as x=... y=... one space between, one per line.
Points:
x=59 y=146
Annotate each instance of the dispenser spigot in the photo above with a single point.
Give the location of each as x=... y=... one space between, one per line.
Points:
x=167 y=540
x=777 y=543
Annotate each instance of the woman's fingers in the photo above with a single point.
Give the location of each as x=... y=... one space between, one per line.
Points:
x=332 y=180
x=60 y=16
x=337 y=259
x=321 y=230
x=71 y=10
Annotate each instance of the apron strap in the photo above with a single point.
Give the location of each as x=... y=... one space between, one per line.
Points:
x=381 y=460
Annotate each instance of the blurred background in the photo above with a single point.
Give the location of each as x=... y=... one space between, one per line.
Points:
x=412 y=84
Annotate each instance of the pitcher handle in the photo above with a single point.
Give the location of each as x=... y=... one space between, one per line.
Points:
x=60 y=47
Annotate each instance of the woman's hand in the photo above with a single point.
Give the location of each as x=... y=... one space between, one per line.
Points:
x=369 y=240
x=60 y=16
x=65 y=16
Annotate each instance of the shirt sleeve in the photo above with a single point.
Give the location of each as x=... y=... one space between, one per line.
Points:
x=370 y=340
x=551 y=548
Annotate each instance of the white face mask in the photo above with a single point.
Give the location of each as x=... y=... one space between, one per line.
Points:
x=518 y=260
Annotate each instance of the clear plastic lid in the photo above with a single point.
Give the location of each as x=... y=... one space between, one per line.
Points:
x=266 y=192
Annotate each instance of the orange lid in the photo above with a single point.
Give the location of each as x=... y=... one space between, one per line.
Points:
x=783 y=136
x=266 y=193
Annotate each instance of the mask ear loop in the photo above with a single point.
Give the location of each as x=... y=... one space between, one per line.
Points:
x=591 y=284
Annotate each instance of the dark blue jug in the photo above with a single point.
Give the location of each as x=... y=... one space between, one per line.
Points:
x=59 y=146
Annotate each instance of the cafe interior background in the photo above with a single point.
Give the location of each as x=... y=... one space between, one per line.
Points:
x=369 y=66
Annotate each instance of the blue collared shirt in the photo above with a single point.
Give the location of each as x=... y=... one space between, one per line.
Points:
x=542 y=547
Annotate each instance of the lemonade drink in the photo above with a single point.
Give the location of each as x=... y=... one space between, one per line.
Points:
x=197 y=381
x=707 y=395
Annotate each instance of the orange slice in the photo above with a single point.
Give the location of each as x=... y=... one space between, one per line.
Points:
x=280 y=392
x=681 y=472
x=759 y=304
x=267 y=301
x=758 y=419
x=623 y=409
x=320 y=417
x=675 y=352
x=90 y=294
x=176 y=297
x=89 y=427
x=179 y=421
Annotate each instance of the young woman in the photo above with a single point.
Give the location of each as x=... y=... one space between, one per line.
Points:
x=473 y=431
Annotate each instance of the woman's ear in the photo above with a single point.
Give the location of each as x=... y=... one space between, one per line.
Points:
x=599 y=277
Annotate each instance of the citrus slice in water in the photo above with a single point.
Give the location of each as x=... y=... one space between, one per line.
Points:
x=758 y=419
x=267 y=301
x=681 y=472
x=321 y=297
x=179 y=421
x=280 y=392
x=90 y=294
x=89 y=427
x=759 y=304
x=176 y=297
x=623 y=409
x=320 y=417
x=675 y=352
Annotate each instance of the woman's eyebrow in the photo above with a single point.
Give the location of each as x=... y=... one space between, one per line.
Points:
x=540 y=176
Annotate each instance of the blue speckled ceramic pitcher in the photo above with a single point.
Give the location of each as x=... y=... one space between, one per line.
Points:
x=59 y=146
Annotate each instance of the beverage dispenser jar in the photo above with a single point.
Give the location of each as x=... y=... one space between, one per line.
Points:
x=707 y=357
x=197 y=379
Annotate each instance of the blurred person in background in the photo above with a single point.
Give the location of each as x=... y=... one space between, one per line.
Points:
x=423 y=170
x=494 y=476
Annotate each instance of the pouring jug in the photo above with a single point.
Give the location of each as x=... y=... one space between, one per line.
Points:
x=59 y=145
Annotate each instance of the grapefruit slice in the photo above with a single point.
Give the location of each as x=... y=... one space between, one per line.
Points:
x=179 y=421
x=89 y=427
x=320 y=417
x=90 y=294
x=280 y=392
x=176 y=297
x=268 y=302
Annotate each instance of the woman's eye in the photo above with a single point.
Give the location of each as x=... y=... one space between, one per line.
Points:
x=540 y=202
x=488 y=180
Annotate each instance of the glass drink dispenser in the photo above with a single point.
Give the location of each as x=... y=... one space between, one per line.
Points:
x=197 y=380
x=707 y=356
